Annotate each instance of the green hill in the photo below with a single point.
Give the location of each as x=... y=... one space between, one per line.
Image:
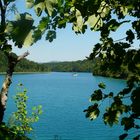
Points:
x=26 y=65
x=23 y=66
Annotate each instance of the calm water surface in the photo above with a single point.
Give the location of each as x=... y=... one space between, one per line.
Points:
x=64 y=97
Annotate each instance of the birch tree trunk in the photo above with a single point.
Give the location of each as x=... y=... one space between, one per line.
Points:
x=12 y=61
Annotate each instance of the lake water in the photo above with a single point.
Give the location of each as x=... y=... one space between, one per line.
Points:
x=64 y=97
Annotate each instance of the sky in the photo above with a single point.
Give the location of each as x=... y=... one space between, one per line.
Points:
x=67 y=46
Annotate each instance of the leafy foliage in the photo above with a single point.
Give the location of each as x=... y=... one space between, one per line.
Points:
x=20 y=122
x=114 y=55
x=7 y=133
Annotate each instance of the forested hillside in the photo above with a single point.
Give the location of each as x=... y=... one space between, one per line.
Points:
x=30 y=66
x=97 y=67
x=74 y=66
x=23 y=66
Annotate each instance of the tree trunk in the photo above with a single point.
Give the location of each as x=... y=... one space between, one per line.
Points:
x=12 y=61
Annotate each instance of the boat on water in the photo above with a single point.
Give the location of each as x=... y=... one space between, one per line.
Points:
x=75 y=74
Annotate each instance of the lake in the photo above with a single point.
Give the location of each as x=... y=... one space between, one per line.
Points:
x=64 y=97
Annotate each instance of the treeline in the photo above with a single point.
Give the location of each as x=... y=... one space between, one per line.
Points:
x=96 y=67
x=30 y=66
x=74 y=66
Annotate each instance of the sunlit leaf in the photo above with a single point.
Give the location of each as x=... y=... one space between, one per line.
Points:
x=29 y=3
x=39 y=7
x=92 y=112
x=50 y=5
x=95 y=22
x=111 y=117
x=23 y=24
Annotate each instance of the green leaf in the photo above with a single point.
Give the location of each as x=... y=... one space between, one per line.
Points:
x=111 y=117
x=29 y=40
x=40 y=107
x=39 y=7
x=7 y=48
x=29 y=3
x=92 y=112
x=102 y=85
x=50 y=5
x=130 y=36
x=97 y=95
x=95 y=22
x=79 y=22
x=135 y=101
x=51 y=35
x=37 y=35
x=43 y=23
x=44 y=5
x=124 y=10
x=123 y=136
x=128 y=123
x=34 y=108
x=20 y=30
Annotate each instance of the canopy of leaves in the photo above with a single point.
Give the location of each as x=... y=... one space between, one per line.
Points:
x=107 y=17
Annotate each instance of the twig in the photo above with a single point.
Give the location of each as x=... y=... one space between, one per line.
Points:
x=121 y=39
x=99 y=17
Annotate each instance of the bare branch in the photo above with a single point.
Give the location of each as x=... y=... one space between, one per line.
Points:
x=119 y=39
x=23 y=56
x=122 y=39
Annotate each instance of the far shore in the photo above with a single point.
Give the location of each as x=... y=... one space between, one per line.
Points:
x=2 y=73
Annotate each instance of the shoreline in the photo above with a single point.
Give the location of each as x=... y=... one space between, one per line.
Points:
x=2 y=73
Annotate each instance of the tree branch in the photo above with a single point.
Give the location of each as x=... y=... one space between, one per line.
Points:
x=3 y=11
x=23 y=56
x=121 y=39
x=1 y=6
x=99 y=16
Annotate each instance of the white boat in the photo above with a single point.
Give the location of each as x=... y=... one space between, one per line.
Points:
x=75 y=74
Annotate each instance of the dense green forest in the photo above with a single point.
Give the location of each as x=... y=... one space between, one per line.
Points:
x=97 y=67
x=30 y=66
x=23 y=66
